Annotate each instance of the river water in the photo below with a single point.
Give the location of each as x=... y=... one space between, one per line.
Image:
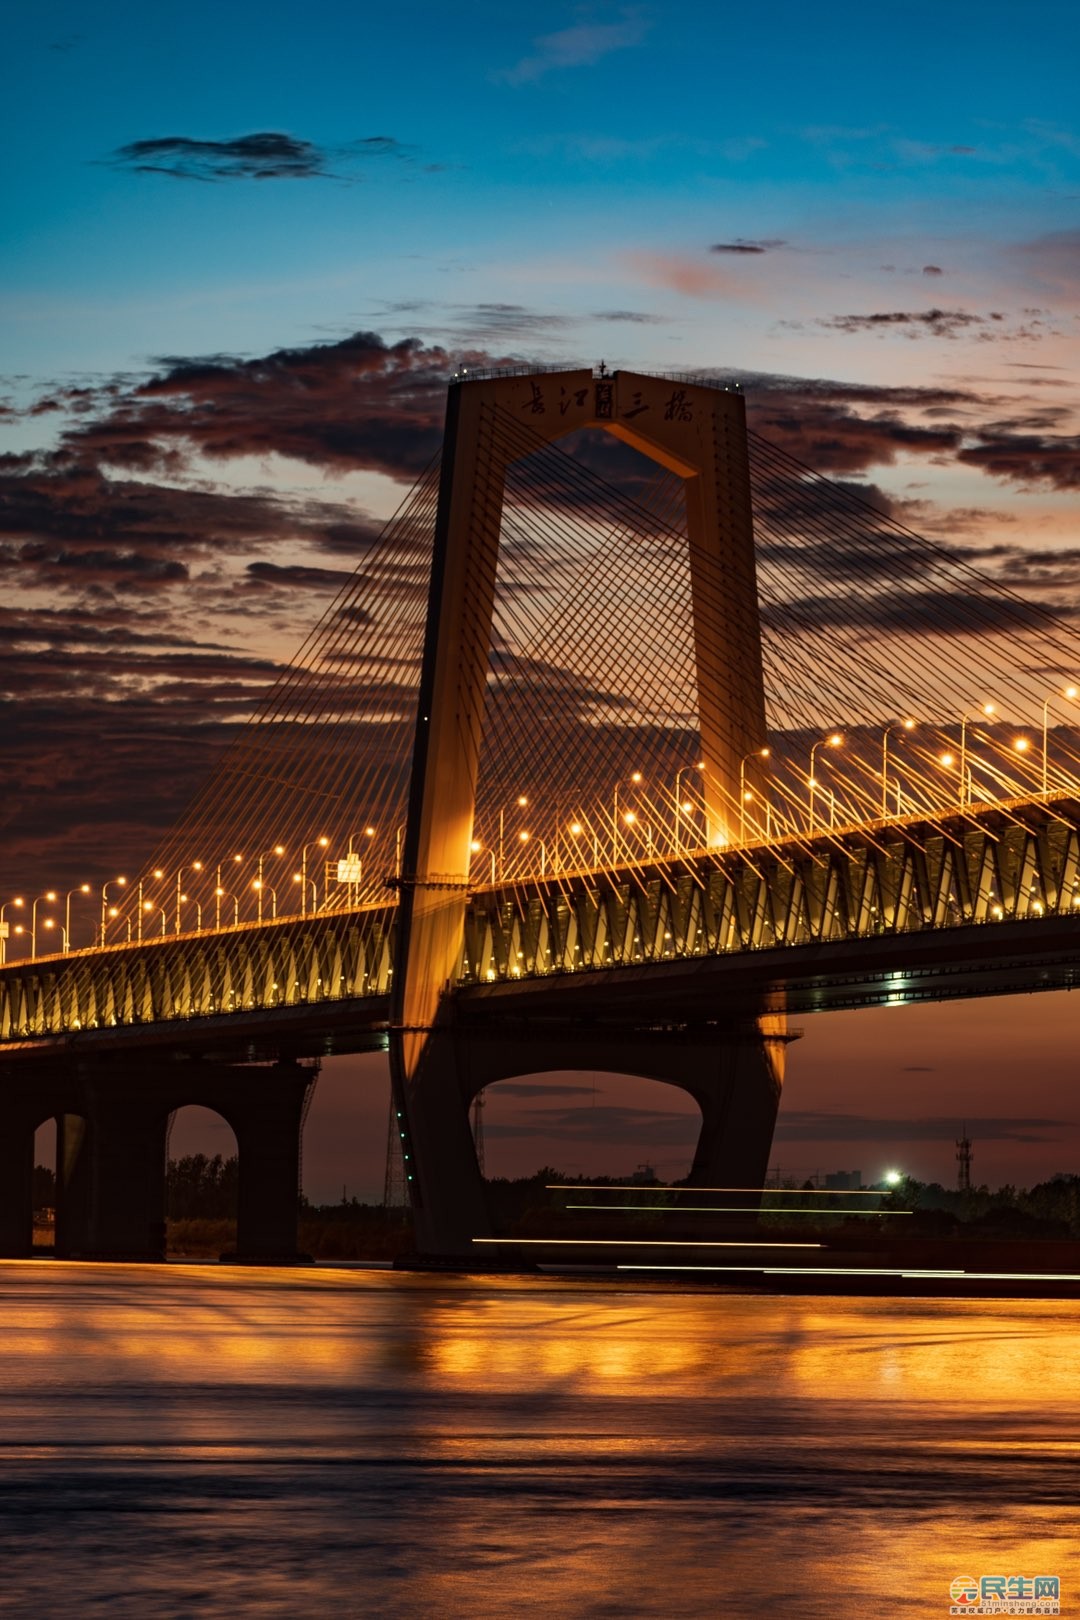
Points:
x=203 y=1440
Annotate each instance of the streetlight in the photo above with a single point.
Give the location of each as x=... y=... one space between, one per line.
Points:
x=318 y=843
x=948 y=760
x=522 y=802
x=965 y=775
x=139 y=907
x=5 y=927
x=635 y=777
x=1069 y=692
x=196 y=866
x=220 y=892
x=476 y=846
x=80 y=888
x=681 y=804
x=897 y=725
x=278 y=849
x=744 y=797
x=50 y=922
x=149 y=907
x=120 y=882
x=50 y=898
x=833 y=741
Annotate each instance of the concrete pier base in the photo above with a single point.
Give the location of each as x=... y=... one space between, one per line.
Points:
x=112 y=1122
x=735 y=1076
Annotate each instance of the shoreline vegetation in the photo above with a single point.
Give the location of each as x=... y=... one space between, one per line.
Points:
x=915 y=1223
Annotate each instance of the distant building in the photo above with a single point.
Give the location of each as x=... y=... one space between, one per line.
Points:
x=644 y=1176
x=843 y=1181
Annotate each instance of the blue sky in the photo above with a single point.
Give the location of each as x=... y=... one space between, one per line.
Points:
x=884 y=199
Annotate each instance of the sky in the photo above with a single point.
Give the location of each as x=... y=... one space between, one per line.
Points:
x=245 y=246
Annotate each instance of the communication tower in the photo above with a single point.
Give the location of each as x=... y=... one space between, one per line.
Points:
x=963 y=1160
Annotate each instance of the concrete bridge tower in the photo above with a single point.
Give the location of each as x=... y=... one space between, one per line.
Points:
x=698 y=432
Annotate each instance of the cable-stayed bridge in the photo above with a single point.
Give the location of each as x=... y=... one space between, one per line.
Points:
x=597 y=762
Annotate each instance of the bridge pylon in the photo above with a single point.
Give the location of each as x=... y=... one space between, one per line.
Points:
x=695 y=430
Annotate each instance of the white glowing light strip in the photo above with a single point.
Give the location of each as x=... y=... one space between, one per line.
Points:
x=871 y=1271
x=781 y=1192
x=649 y=1243
x=735 y=1209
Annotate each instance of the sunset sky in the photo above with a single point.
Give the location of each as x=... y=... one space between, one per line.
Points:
x=244 y=248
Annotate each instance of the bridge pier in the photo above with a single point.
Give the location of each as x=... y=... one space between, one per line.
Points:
x=737 y=1086
x=443 y=1177
x=110 y=1154
x=734 y=1073
x=16 y=1184
x=268 y=1120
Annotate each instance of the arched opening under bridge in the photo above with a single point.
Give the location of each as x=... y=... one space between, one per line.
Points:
x=202 y=1181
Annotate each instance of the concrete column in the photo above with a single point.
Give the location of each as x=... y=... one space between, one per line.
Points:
x=16 y=1186
x=114 y=1177
x=446 y=1190
x=267 y=1121
x=739 y=1101
x=73 y=1185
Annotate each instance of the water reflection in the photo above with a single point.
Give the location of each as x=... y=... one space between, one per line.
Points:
x=198 y=1438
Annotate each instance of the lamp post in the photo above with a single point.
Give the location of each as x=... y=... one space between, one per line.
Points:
x=50 y=922
x=317 y=843
x=196 y=866
x=681 y=807
x=120 y=882
x=139 y=907
x=755 y=753
x=834 y=740
x=50 y=899
x=262 y=888
x=278 y=849
x=220 y=893
x=525 y=838
x=948 y=761
x=897 y=725
x=521 y=802
x=1021 y=746
x=965 y=775
x=1069 y=692
x=149 y=908
x=4 y=927
x=635 y=777
x=305 y=884
x=477 y=848
x=80 y=888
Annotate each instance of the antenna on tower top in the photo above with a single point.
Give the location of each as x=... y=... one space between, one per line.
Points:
x=963 y=1160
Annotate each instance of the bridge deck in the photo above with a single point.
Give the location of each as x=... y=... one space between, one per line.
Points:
x=979 y=901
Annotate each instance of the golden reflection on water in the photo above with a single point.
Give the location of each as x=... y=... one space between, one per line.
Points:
x=364 y=1442
x=464 y=1334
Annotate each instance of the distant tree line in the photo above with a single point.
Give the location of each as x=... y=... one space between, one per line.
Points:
x=1049 y=1209
x=198 y=1188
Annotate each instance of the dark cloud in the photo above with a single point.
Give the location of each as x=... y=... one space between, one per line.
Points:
x=932 y=270
x=267 y=155
x=808 y=1126
x=518 y=1088
x=607 y=1123
x=350 y=404
x=635 y=317
x=741 y=245
x=1026 y=459
x=946 y=323
x=840 y=428
x=72 y=527
x=296 y=576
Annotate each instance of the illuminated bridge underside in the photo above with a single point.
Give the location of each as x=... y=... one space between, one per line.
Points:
x=976 y=904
